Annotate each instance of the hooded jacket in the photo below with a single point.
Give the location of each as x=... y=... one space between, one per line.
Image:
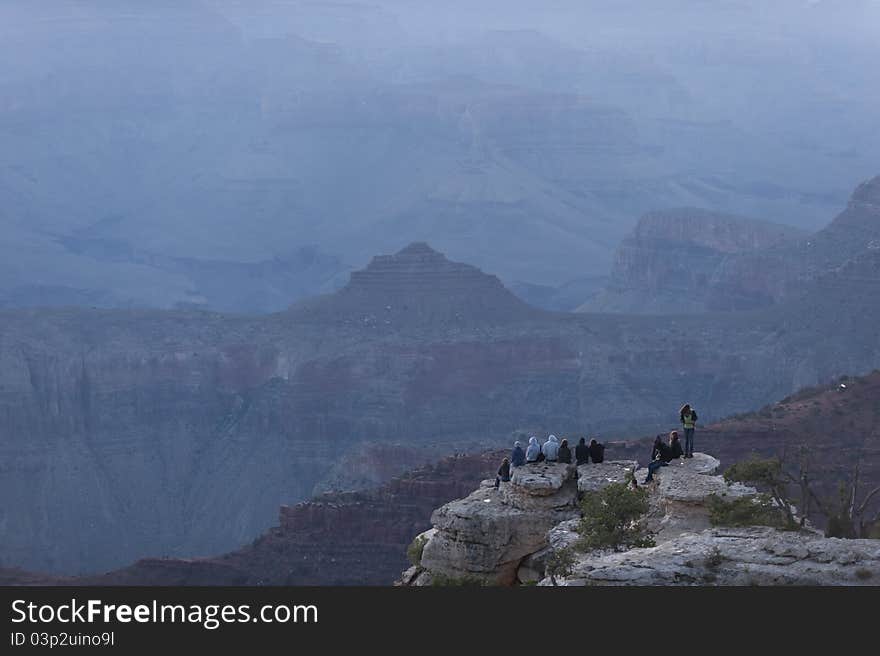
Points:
x=551 y=448
x=517 y=456
x=533 y=450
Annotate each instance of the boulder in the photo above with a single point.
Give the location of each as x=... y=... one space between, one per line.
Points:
x=541 y=486
x=541 y=478
x=593 y=477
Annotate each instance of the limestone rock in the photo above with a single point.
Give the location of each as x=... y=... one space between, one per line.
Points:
x=541 y=486
x=593 y=477
x=680 y=493
x=744 y=556
x=532 y=568
x=542 y=478
x=488 y=533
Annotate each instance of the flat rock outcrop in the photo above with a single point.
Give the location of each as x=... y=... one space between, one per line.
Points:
x=736 y=556
x=593 y=477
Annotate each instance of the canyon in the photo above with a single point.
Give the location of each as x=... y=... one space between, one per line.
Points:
x=689 y=260
x=133 y=433
x=361 y=538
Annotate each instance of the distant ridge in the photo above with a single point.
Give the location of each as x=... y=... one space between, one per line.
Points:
x=417 y=285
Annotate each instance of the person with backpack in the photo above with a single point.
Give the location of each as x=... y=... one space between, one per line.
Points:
x=688 y=418
x=582 y=453
x=533 y=451
x=564 y=453
x=503 y=473
x=517 y=456
x=551 y=449
x=597 y=452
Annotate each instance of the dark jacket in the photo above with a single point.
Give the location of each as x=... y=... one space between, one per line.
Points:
x=504 y=471
x=656 y=449
x=597 y=452
x=582 y=454
x=518 y=457
x=564 y=454
x=667 y=453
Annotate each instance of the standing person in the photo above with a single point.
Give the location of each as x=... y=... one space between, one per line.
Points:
x=503 y=473
x=533 y=450
x=564 y=453
x=597 y=451
x=551 y=449
x=517 y=456
x=689 y=421
x=582 y=453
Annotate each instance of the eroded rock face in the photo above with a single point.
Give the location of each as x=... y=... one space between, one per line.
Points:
x=742 y=556
x=679 y=495
x=487 y=534
x=670 y=260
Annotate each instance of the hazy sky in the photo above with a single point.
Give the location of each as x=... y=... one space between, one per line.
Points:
x=148 y=149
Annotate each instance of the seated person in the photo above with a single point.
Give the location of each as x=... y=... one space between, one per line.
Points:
x=503 y=473
x=582 y=453
x=597 y=451
x=662 y=454
x=564 y=453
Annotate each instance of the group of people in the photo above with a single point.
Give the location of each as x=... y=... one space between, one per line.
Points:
x=553 y=450
x=662 y=453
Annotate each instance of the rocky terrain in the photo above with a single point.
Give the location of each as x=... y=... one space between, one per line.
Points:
x=508 y=536
x=361 y=537
x=127 y=434
x=681 y=261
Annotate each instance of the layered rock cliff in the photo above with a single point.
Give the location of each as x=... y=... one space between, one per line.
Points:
x=352 y=538
x=361 y=537
x=669 y=263
x=687 y=260
x=127 y=434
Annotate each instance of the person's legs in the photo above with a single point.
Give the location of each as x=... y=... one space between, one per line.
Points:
x=652 y=467
x=497 y=482
x=689 y=441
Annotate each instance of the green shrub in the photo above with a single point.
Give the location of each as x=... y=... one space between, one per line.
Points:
x=747 y=511
x=560 y=564
x=610 y=518
x=714 y=558
x=415 y=549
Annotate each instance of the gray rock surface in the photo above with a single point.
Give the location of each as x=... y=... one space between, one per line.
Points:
x=487 y=534
x=593 y=477
x=741 y=556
